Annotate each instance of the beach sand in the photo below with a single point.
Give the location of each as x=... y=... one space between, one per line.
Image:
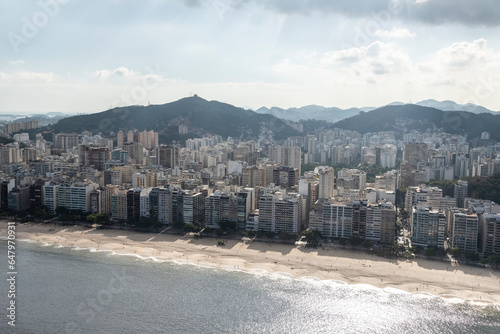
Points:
x=439 y=278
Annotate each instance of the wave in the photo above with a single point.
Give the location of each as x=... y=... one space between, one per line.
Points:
x=259 y=272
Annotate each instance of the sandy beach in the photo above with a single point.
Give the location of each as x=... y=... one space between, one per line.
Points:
x=481 y=285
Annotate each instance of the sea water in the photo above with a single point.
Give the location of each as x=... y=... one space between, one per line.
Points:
x=71 y=290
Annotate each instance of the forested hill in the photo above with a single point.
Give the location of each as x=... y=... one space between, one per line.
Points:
x=404 y=118
x=199 y=115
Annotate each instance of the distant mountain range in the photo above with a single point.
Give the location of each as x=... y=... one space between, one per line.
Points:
x=334 y=114
x=408 y=117
x=202 y=117
x=313 y=112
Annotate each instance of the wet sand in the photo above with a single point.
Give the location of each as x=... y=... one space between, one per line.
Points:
x=440 y=278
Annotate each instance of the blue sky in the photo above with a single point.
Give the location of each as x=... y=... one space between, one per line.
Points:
x=86 y=56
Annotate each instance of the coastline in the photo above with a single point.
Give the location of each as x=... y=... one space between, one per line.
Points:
x=422 y=276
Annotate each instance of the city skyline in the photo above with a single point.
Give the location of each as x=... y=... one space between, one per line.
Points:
x=249 y=54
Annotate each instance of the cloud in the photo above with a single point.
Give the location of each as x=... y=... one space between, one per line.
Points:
x=16 y=62
x=395 y=33
x=121 y=72
x=467 y=12
x=27 y=77
x=477 y=12
x=463 y=56
x=377 y=58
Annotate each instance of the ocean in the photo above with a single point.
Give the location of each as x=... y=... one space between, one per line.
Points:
x=71 y=290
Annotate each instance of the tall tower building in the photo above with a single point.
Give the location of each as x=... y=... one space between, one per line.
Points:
x=119 y=139
x=326 y=181
x=168 y=156
x=130 y=136
x=414 y=153
x=461 y=188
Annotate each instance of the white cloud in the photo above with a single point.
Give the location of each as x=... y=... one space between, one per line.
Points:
x=27 y=77
x=395 y=33
x=16 y=62
x=120 y=72
x=377 y=58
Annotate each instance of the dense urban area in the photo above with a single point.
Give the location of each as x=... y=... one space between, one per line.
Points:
x=430 y=193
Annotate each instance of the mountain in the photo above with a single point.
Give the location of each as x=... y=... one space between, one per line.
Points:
x=202 y=117
x=333 y=114
x=312 y=112
x=448 y=105
x=408 y=117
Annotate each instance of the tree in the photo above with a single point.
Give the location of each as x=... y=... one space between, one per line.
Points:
x=179 y=225
x=101 y=218
x=343 y=242
x=493 y=260
x=430 y=252
x=312 y=237
x=441 y=252
x=367 y=244
x=355 y=240
x=471 y=257
x=454 y=251
x=228 y=225
x=270 y=234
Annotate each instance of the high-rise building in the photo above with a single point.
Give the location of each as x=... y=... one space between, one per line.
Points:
x=285 y=176
x=193 y=208
x=135 y=152
x=463 y=229
x=414 y=153
x=75 y=196
x=221 y=207
x=490 y=236
x=168 y=156
x=93 y=156
x=119 y=204
x=19 y=198
x=134 y=204
x=130 y=136
x=286 y=156
x=461 y=188
x=387 y=181
x=352 y=179
x=120 y=155
x=280 y=213
x=120 y=139
x=148 y=139
x=375 y=222
x=10 y=128
x=36 y=195
x=428 y=227
x=326 y=181
x=65 y=141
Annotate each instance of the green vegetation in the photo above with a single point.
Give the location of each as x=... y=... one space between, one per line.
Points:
x=454 y=251
x=420 y=118
x=371 y=171
x=485 y=187
x=98 y=218
x=312 y=237
x=493 y=260
x=4 y=140
x=448 y=186
x=201 y=116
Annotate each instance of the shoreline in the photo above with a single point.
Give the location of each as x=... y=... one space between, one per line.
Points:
x=420 y=276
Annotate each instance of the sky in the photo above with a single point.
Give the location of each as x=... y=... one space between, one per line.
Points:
x=86 y=56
